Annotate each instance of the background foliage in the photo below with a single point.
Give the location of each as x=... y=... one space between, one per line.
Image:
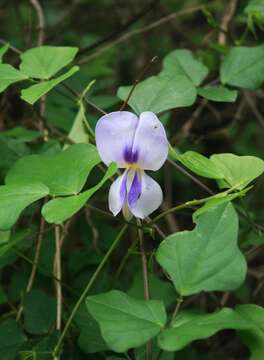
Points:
x=200 y=66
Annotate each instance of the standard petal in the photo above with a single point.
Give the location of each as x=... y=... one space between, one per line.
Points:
x=150 y=142
x=149 y=199
x=117 y=194
x=114 y=134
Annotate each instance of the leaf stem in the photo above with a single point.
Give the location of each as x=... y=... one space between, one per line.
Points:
x=85 y=291
x=145 y=280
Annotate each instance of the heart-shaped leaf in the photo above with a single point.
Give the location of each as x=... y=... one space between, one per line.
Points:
x=45 y=61
x=60 y=209
x=206 y=258
x=14 y=198
x=63 y=173
x=189 y=326
x=126 y=322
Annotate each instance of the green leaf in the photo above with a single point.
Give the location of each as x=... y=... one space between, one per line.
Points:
x=14 y=198
x=11 y=339
x=238 y=171
x=182 y=61
x=60 y=209
x=22 y=134
x=254 y=6
x=206 y=258
x=243 y=67
x=199 y=164
x=126 y=322
x=90 y=339
x=40 y=312
x=35 y=92
x=3 y=50
x=64 y=173
x=217 y=93
x=160 y=290
x=45 y=61
x=9 y=75
x=253 y=338
x=159 y=93
x=189 y=326
x=216 y=200
x=78 y=132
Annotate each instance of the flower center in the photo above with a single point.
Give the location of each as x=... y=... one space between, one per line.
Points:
x=131 y=158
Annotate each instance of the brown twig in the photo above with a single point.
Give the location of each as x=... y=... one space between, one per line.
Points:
x=57 y=274
x=253 y=107
x=143 y=30
x=41 y=20
x=227 y=17
x=35 y=262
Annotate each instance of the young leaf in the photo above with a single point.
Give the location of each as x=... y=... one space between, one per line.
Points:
x=78 y=133
x=60 y=209
x=63 y=173
x=159 y=93
x=9 y=75
x=217 y=200
x=45 y=61
x=237 y=170
x=3 y=50
x=217 y=93
x=35 y=92
x=126 y=322
x=182 y=61
x=36 y=304
x=14 y=198
x=11 y=339
x=254 y=337
x=243 y=67
x=206 y=258
x=200 y=165
x=189 y=326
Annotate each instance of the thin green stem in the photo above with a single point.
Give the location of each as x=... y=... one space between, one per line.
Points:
x=145 y=281
x=86 y=290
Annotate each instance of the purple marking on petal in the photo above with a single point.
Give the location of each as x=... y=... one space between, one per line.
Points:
x=130 y=156
x=135 y=190
x=123 y=189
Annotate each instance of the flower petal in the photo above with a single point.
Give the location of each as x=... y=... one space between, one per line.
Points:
x=114 y=134
x=135 y=190
x=117 y=194
x=150 y=142
x=149 y=199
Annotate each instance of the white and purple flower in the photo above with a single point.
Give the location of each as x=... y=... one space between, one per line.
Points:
x=135 y=144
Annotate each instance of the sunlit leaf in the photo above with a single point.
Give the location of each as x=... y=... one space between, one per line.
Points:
x=206 y=258
x=60 y=209
x=45 y=61
x=189 y=326
x=63 y=173
x=3 y=50
x=35 y=92
x=14 y=198
x=159 y=93
x=9 y=75
x=126 y=322
x=200 y=165
x=182 y=61
x=237 y=170
x=217 y=93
